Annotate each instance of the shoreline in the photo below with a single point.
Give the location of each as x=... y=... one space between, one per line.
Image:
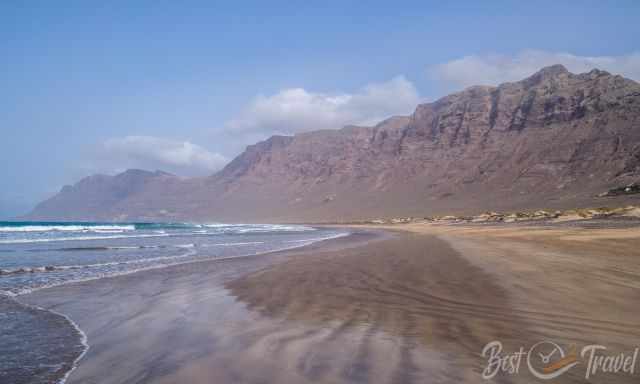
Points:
x=29 y=299
x=28 y=291
x=408 y=303
x=84 y=341
x=63 y=337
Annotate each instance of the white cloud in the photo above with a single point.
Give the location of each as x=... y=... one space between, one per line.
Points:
x=148 y=152
x=298 y=110
x=496 y=69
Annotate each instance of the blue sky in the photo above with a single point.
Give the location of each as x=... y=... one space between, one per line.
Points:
x=183 y=86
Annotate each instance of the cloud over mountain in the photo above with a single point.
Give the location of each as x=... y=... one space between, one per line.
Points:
x=148 y=152
x=299 y=110
x=494 y=69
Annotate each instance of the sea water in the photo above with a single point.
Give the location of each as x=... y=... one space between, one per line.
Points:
x=35 y=344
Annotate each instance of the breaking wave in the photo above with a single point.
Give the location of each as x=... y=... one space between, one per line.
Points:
x=15 y=227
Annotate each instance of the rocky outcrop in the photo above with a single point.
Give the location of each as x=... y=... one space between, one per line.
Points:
x=622 y=214
x=630 y=189
x=553 y=140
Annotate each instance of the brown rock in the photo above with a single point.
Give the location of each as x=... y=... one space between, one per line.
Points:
x=504 y=148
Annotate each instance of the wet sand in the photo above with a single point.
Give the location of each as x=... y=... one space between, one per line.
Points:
x=144 y=326
x=415 y=307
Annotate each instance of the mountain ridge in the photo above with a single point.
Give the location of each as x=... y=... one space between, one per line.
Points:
x=552 y=140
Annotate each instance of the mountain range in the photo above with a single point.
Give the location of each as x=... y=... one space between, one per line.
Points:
x=552 y=140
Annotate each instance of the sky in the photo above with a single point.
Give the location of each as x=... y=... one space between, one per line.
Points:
x=184 y=86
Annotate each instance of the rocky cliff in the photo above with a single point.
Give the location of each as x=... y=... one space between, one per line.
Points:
x=553 y=140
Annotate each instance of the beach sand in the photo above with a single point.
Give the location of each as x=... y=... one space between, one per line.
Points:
x=417 y=306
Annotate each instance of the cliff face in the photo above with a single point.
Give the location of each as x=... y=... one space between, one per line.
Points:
x=554 y=139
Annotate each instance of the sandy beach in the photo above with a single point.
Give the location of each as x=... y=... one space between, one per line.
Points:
x=415 y=304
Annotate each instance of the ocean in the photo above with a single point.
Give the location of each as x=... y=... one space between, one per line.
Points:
x=36 y=344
